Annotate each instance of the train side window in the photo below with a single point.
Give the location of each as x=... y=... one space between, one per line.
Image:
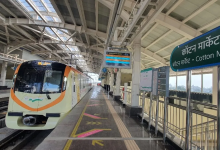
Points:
x=64 y=83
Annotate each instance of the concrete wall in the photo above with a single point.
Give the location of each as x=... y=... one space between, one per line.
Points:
x=28 y=56
x=9 y=73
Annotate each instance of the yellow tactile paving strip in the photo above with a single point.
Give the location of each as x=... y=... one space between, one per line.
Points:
x=130 y=144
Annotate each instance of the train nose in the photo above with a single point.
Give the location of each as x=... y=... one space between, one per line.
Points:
x=29 y=121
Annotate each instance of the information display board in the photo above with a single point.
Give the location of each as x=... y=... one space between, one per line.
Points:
x=117 y=59
x=146 y=79
x=163 y=81
x=202 y=51
x=155 y=76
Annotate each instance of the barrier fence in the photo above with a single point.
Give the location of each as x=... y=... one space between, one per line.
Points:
x=203 y=126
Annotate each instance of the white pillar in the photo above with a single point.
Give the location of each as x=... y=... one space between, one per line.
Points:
x=125 y=93
x=118 y=83
x=136 y=71
x=111 y=81
x=215 y=85
x=3 y=72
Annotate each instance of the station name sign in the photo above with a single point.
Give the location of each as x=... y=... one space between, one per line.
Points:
x=202 y=51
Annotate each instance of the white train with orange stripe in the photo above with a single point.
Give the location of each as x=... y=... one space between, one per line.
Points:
x=43 y=93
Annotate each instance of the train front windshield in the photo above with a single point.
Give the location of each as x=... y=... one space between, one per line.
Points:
x=39 y=77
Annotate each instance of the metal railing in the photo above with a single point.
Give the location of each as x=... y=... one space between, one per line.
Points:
x=11 y=58
x=203 y=126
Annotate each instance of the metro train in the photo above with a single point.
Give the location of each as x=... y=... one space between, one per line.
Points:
x=43 y=93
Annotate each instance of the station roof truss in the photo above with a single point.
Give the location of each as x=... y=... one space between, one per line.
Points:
x=81 y=29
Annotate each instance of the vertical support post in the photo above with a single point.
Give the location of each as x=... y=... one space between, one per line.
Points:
x=188 y=109
x=111 y=81
x=3 y=72
x=165 y=120
x=206 y=136
x=118 y=83
x=218 y=111
x=149 y=123
x=136 y=71
x=143 y=104
x=125 y=93
x=157 y=114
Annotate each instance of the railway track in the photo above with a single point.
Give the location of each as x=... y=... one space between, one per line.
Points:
x=3 y=111
x=17 y=140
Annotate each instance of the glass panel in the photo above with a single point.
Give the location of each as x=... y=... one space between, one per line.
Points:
x=39 y=77
x=49 y=5
x=196 y=83
x=48 y=18
x=207 y=83
x=181 y=83
x=172 y=83
x=39 y=5
x=26 y=5
x=49 y=31
x=52 y=81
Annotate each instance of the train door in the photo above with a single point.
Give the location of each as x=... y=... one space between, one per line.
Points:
x=74 y=94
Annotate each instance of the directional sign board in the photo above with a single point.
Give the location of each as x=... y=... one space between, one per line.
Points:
x=146 y=79
x=117 y=59
x=163 y=81
x=202 y=51
x=155 y=78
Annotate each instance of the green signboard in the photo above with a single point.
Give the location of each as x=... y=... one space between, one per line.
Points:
x=202 y=51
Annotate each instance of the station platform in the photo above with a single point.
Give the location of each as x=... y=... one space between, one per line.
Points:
x=99 y=122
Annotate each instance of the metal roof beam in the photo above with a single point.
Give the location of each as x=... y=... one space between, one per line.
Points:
x=2 y=17
x=171 y=44
x=124 y=15
x=97 y=14
x=36 y=10
x=7 y=35
x=136 y=17
x=209 y=24
x=82 y=18
x=9 y=11
x=24 y=32
x=154 y=56
x=18 y=45
x=150 y=19
x=148 y=32
x=57 y=10
x=18 y=6
x=177 y=26
x=13 y=36
x=161 y=37
x=73 y=43
x=204 y=6
x=71 y=36
x=175 y=5
x=70 y=11
x=19 y=21
x=42 y=33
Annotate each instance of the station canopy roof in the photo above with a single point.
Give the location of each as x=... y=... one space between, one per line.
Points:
x=64 y=30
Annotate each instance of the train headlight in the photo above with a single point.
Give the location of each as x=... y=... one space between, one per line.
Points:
x=64 y=83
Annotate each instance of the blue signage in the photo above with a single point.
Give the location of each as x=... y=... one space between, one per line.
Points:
x=104 y=70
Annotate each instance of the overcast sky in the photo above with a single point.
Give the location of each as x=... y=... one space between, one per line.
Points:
x=196 y=80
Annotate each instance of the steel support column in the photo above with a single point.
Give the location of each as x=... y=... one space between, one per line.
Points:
x=111 y=81
x=118 y=83
x=136 y=71
x=3 y=72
